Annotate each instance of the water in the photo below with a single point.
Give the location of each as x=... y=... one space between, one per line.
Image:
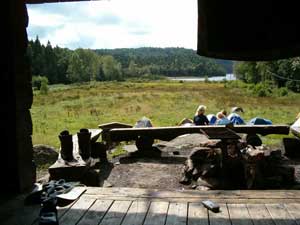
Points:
x=221 y=78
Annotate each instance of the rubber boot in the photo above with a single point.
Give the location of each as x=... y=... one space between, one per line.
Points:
x=84 y=143
x=66 y=143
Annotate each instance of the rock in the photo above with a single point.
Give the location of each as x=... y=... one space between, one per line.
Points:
x=202 y=188
x=253 y=154
x=291 y=147
x=202 y=162
x=287 y=173
x=211 y=183
x=185 y=180
x=209 y=170
x=211 y=144
x=202 y=182
x=130 y=148
x=194 y=186
x=205 y=154
x=43 y=179
x=106 y=184
x=44 y=154
x=183 y=143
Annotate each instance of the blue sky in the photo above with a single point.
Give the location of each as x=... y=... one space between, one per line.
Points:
x=115 y=23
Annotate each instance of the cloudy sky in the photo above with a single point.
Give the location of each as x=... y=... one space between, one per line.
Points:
x=115 y=23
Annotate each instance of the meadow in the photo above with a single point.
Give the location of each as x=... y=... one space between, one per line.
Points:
x=73 y=107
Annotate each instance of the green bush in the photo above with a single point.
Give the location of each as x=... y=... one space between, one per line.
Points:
x=149 y=76
x=262 y=90
x=206 y=80
x=37 y=82
x=44 y=87
x=251 y=87
x=284 y=91
x=261 y=93
x=293 y=85
x=235 y=84
x=224 y=81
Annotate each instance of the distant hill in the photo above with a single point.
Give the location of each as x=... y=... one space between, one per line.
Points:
x=170 y=61
x=62 y=65
x=227 y=64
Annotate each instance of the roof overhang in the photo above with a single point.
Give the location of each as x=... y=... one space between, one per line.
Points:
x=53 y=1
x=249 y=30
x=243 y=30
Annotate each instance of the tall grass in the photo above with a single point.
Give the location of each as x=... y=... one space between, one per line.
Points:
x=165 y=103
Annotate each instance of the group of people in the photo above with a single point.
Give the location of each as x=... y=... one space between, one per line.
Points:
x=220 y=118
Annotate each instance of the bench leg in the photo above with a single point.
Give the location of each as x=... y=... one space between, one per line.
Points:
x=144 y=143
x=253 y=140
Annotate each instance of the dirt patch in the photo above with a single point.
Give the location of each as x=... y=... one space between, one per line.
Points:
x=161 y=169
x=164 y=173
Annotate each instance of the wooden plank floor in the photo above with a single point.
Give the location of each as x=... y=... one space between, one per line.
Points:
x=132 y=206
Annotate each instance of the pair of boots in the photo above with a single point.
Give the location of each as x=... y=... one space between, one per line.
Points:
x=84 y=143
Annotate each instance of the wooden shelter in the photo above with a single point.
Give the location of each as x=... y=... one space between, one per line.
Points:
x=245 y=30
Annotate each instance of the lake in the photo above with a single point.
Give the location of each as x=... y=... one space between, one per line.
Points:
x=220 y=78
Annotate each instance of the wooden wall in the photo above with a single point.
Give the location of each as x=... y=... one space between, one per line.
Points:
x=17 y=169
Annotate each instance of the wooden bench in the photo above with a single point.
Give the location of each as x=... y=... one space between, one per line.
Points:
x=169 y=133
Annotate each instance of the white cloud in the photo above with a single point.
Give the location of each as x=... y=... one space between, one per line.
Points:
x=116 y=23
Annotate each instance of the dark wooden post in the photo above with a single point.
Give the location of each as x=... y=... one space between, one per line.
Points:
x=17 y=168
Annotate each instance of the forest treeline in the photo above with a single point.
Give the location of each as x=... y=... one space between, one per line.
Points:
x=62 y=65
x=284 y=73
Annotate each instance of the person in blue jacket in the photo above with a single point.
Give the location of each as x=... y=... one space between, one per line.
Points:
x=222 y=119
x=234 y=117
x=212 y=119
x=260 y=121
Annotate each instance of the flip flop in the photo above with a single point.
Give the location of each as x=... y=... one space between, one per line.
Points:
x=54 y=189
x=73 y=194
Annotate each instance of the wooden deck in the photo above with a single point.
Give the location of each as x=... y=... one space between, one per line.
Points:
x=131 y=206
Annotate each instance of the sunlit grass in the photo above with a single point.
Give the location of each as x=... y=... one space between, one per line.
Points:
x=73 y=107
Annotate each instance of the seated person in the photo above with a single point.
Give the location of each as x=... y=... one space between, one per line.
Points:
x=186 y=122
x=212 y=119
x=234 y=117
x=237 y=109
x=224 y=112
x=222 y=119
x=200 y=118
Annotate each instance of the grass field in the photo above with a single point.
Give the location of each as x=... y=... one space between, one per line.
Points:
x=165 y=103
